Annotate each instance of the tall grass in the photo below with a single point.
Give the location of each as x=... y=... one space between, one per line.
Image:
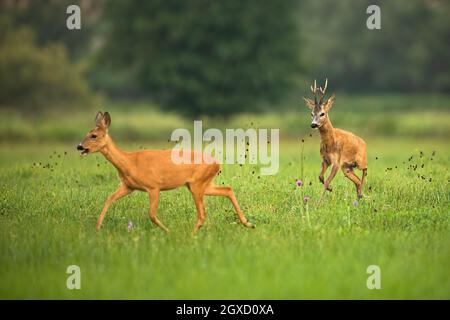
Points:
x=392 y=115
x=50 y=200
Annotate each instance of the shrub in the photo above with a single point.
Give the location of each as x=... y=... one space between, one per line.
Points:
x=33 y=77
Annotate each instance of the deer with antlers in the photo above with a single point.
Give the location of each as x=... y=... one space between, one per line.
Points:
x=339 y=149
x=153 y=171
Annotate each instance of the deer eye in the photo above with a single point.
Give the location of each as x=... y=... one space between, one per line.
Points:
x=93 y=136
x=322 y=114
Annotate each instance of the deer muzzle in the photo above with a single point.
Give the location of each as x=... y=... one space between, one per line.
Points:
x=84 y=151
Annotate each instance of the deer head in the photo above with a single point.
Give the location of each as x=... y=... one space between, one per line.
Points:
x=319 y=108
x=95 y=139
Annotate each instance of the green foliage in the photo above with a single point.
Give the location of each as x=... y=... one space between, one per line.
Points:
x=409 y=53
x=220 y=57
x=33 y=77
x=47 y=19
x=205 y=57
x=368 y=116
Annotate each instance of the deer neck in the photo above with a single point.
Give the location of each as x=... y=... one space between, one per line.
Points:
x=114 y=155
x=327 y=133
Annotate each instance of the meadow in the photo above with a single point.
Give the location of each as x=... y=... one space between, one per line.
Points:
x=50 y=199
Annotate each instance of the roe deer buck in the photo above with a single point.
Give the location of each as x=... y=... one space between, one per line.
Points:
x=153 y=171
x=338 y=148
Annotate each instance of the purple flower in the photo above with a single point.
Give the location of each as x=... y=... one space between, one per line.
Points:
x=355 y=203
x=299 y=182
x=306 y=199
x=130 y=225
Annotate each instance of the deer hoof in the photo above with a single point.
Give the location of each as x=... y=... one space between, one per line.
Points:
x=249 y=225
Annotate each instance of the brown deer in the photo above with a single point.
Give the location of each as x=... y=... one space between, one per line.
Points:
x=153 y=171
x=338 y=148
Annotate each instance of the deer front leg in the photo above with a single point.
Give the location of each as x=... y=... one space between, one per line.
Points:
x=121 y=192
x=334 y=170
x=326 y=185
x=154 y=198
x=325 y=166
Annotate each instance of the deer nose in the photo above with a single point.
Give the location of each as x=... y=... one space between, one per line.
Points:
x=80 y=147
x=314 y=125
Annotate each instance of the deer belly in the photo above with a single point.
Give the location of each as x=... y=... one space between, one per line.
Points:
x=133 y=183
x=330 y=158
x=349 y=164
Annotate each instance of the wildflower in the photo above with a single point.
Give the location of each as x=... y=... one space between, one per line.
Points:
x=355 y=203
x=130 y=225
x=299 y=182
x=306 y=199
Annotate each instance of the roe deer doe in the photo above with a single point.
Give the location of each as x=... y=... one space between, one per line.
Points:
x=338 y=148
x=153 y=171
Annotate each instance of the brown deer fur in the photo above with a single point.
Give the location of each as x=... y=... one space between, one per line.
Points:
x=153 y=171
x=339 y=149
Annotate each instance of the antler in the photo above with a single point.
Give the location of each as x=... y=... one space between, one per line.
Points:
x=323 y=90
x=314 y=91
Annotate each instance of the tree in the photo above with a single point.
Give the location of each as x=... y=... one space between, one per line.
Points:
x=205 y=57
x=47 y=19
x=33 y=77
x=409 y=53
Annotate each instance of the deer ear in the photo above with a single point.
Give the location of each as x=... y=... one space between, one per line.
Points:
x=106 y=119
x=98 y=118
x=309 y=103
x=330 y=102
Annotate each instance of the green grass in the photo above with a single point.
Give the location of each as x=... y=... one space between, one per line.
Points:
x=47 y=218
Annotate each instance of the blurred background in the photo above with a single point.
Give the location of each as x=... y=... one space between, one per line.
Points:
x=156 y=65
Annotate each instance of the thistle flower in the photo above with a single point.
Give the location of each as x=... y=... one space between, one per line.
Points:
x=299 y=182
x=306 y=199
x=130 y=225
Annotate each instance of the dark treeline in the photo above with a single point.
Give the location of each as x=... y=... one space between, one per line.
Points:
x=409 y=54
x=217 y=57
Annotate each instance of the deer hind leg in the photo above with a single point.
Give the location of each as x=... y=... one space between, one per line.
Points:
x=154 y=199
x=364 y=174
x=213 y=190
x=350 y=174
x=198 y=193
x=121 y=192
